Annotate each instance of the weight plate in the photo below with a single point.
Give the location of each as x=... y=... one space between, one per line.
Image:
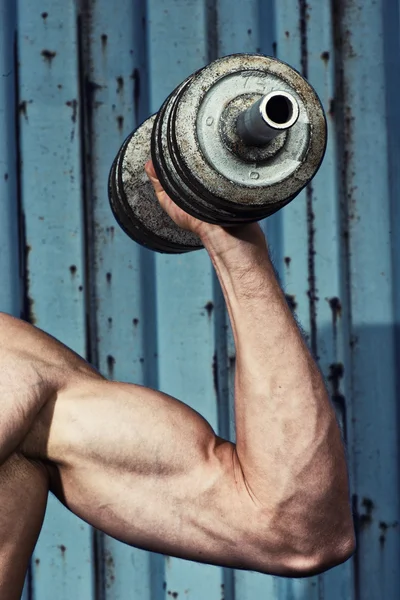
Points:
x=134 y=202
x=273 y=181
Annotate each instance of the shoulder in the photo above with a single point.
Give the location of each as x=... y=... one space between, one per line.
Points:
x=34 y=368
x=34 y=355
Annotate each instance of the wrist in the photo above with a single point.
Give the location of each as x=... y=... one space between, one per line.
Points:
x=221 y=241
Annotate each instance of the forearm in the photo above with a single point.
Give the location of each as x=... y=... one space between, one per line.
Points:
x=287 y=438
x=23 y=496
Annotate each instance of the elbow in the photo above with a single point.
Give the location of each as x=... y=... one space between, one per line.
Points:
x=306 y=553
x=333 y=554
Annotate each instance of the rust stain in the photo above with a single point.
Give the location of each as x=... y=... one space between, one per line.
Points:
x=312 y=280
x=384 y=528
x=29 y=313
x=353 y=341
x=291 y=300
x=111 y=231
x=312 y=291
x=110 y=366
x=215 y=374
x=23 y=109
x=209 y=308
x=336 y=307
x=344 y=119
x=74 y=105
x=303 y=17
x=365 y=518
x=48 y=55
x=336 y=374
x=120 y=84
x=120 y=121
x=325 y=57
x=136 y=93
x=109 y=569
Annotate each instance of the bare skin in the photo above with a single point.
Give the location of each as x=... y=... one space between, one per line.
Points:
x=148 y=470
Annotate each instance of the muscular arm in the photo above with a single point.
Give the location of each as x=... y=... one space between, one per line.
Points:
x=23 y=496
x=287 y=438
x=148 y=470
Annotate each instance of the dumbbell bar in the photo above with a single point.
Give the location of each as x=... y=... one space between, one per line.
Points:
x=234 y=143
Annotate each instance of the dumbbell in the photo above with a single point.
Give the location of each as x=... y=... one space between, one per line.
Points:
x=234 y=143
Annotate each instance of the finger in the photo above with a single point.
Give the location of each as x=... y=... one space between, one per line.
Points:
x=151 y=174
x=161 y=195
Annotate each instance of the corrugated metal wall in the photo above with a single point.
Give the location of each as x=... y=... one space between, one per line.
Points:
x=85 y=75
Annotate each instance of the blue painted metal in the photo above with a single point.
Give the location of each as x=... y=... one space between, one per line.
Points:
x=50 y=182
x=9 y=247
x=114 y=95
x=178 y=46
x=88 y=73
x=373 y=360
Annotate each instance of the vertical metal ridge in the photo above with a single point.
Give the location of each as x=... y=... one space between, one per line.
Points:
x=142 y=85
x=343 y=135
x=312 y=291
x=212 y=32
x=25 y=302
x=85 y=99
x=391 y=41
x=221 y=365
x=267 y=27
x=88 y=227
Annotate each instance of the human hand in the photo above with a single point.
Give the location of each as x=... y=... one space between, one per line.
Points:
x=221 y=238
x=177 y=214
